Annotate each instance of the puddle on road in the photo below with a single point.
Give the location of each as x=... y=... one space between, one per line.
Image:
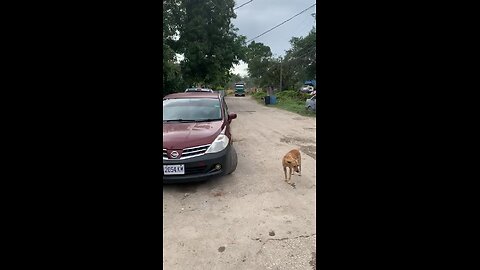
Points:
x=187 y=188
x=311 y=151
x=297 y=140
x=307 y=146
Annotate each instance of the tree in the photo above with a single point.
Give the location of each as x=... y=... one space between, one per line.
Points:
x=259 y=59
x=208 y=41
x=302 y=57
x=172 y=78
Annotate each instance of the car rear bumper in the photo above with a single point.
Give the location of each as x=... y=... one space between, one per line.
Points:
x=201 y=168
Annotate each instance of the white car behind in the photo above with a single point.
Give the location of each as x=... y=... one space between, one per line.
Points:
x=311 y=103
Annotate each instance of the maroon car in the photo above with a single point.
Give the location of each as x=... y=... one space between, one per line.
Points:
x=197 y=143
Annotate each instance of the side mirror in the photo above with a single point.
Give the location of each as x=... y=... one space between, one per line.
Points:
x=232 y=116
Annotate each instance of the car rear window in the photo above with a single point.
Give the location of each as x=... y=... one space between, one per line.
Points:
x=192 y=109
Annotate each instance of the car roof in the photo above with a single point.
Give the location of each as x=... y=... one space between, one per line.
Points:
x=193 y=95
x=199 y=89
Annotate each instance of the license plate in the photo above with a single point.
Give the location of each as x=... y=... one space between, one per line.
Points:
x=173 y=169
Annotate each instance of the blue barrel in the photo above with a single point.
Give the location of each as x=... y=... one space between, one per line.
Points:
x=273 y=100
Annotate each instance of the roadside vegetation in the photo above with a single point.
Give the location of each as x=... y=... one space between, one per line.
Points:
x=289 y=100
x=201 y=46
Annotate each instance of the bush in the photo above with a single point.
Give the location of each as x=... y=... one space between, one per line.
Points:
x=292 y=95
x=289 y=100
x=293 y=101
x=259 y=94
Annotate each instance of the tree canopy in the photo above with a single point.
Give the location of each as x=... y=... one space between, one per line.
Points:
x=172 y=76
x=202 y=32
x=302 y=56
x=298 y=65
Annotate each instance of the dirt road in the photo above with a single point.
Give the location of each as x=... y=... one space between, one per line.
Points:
x=251 y=219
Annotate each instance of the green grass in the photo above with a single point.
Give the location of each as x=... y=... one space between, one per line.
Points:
x=289 y=100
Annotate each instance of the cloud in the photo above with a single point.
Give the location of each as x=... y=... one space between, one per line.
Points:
x=260 y=15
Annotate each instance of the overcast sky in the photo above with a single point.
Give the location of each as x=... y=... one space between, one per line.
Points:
x=259 y=16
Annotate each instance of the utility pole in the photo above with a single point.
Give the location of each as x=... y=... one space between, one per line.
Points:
x=280 y=89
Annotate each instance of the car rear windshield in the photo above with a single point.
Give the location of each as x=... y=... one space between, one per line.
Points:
x=192 y=109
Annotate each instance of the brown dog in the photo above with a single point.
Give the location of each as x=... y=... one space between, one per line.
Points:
x=293 y=161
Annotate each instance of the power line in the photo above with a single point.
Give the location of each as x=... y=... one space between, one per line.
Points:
x=301 y=57
x=302 y=51
x=242 y=4
x=301 y=26
x=281 y=23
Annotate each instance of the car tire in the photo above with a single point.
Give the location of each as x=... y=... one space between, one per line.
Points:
x=234 y=160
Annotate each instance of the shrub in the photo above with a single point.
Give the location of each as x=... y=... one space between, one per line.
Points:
x=292 y=95
x=259 y=94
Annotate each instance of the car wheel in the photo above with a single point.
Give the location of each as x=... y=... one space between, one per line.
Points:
x=234 y=160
